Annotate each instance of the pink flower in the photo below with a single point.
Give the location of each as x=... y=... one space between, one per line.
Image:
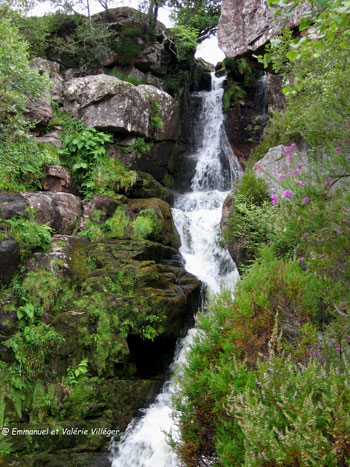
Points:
x=337 y=149
x=300 y=164
x=338 y=349
x=306 y=199
x=256 y=165
x=302 y=260
x=296 y=171
x=287 y=149
x=293 y=146
x=287 y=193
x=290 y=158
x=274 y=199
x=299 y=182
x=282 y=176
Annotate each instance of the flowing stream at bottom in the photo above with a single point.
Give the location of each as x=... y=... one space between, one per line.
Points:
x=197 y=217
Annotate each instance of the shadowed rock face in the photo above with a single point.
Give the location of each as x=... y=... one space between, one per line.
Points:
x=246 y=25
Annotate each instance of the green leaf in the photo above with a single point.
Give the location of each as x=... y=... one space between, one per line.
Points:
x=292 y=55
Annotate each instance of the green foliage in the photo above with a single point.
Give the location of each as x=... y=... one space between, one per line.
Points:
x=146 y=225
x=122 y=76
x=233 y=91
x=140 y=146
x=155 y=114
x=85 y=152
x=21 y=158
x=29 y=234
x=114 y=227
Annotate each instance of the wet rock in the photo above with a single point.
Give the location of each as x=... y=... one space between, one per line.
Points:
x=58 y=179
x=9 y=259
x=147 y=187
x=168 y=234
x=105 y=205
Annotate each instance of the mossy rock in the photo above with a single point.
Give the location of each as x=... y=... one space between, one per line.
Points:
x=147 y=186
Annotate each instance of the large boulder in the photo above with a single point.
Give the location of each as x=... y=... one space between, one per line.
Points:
x=61 y=211
x=278 y=163
x=53 y=69
x=246 y=25
x=110 y=104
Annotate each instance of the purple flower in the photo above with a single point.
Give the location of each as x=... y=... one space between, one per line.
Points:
x=305 y=234
x=293 y=146
x=302 y=260
x=338 y=349
x=274 y=199
x=312 y=255
x=306 y=199
x=290 y=158
x=337 y=149
x=300 y=164
x=282 y=176
x=256 y=165
x=321 y=256
x=296 y=171
x=287 y=193
x=287 y=149
x=299 y=182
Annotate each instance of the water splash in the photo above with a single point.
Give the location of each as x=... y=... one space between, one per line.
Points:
x=197 y=217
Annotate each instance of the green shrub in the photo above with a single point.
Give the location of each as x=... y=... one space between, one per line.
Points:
x=29 y=234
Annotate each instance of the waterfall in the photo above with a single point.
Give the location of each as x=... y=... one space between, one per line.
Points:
x=197 y=217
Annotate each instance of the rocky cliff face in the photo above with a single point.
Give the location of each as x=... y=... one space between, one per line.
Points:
x=117 y=295
x=245 y=26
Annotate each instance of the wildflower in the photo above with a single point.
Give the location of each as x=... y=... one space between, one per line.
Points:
x=256 y=165
x=312 y=255
x=287 y=149
x=299 y=182
x=338 y=349
x=287 y=193
x=306 y=199
x=305 y=234
x=296 y=171
x=282 y=176
x=293 y=146
x=300 y=164
x=337 y=149
x=290 y=158
x=274 y=199
x=321 y=256
x=302 y=260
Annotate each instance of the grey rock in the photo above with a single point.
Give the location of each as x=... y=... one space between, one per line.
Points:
x=246 y=25
x=107 y=103
x=12 y=204
x=54 y=71
x=52 y=138
x=61 y=211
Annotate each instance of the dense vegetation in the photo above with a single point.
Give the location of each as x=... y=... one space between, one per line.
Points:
x=267 y=380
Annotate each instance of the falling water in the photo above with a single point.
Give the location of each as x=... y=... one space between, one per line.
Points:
x=197 y=217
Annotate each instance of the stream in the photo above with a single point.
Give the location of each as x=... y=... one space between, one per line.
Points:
x=197 y=215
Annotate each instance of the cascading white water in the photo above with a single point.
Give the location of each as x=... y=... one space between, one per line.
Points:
x=197 y=217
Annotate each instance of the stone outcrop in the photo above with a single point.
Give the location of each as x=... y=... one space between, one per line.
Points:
x=9 y=259
x=61 y=211
x=109 y=104
x=58 y=179
x=247 y=25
